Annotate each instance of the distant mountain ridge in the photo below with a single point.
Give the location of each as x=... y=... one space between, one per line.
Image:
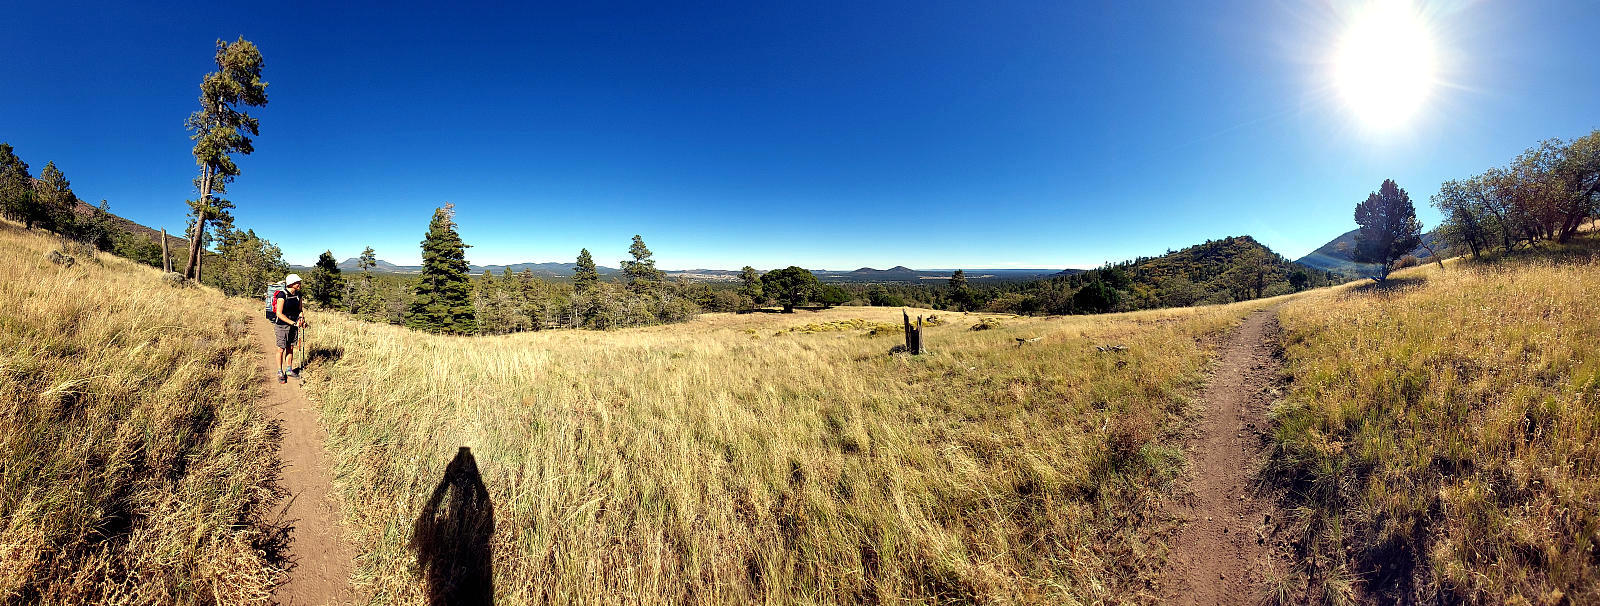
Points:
x=898 y=273
x=1338 y=255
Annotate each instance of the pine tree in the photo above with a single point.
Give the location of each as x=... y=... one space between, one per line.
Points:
x=55 y=200
x=1389 y=228
x=325 y=285
x=641 y=271
x=16 y=187
x=959 y=292
x=443 y=300
x=752 y=285
x=584 y=276
x=219 y=128
x=365 y=301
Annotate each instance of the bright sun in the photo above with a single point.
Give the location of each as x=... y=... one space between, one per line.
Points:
x=1384 y=64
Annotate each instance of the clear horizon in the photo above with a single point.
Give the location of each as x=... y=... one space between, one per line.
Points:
x=934 y=136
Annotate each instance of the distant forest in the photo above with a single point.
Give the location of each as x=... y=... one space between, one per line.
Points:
x=241 y=263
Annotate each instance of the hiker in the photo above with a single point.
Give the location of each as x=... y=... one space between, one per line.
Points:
x=286 y=325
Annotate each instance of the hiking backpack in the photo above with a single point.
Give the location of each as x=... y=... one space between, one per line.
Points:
x=272 y=294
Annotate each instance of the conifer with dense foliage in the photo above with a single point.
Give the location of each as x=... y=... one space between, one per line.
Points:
x=17 y=198
x=791 y=286
x=584 y=275
x=1389 y=228
x=325 y=284
x=443 y=302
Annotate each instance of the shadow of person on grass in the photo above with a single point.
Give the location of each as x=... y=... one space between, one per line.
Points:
x=451 y=537
x=1392 y=284
x=323 y=354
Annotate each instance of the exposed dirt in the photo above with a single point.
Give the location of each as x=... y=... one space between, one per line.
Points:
x=320 y=559
x=1221 y=555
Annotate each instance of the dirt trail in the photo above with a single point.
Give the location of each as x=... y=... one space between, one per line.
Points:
x=321 y=559
x=1220 y=555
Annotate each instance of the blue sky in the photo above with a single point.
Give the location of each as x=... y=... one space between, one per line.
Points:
x=925 y=134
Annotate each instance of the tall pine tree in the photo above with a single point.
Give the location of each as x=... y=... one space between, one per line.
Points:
x=641 y=271
x=444 y=290
x=584 y=276
x=219 y=128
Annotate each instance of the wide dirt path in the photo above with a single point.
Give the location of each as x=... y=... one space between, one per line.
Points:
x=319 y=557
x=1220 y=555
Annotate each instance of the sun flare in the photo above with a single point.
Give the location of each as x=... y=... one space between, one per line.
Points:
x=1384 y=65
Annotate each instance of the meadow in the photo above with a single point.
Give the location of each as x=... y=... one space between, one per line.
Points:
x=1439 y=440
x=772 y=458
x=135 y=467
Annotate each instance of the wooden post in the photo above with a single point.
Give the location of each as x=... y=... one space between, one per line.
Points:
x=166 y=261
x=913 y=334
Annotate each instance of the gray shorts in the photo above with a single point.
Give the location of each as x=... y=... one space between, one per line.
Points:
x=286 y=334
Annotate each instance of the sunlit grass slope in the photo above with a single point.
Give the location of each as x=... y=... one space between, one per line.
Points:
x=730 y=460
x=133 y=463
x=1440 y=436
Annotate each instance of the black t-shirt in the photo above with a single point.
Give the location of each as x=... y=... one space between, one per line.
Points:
x=291 y=306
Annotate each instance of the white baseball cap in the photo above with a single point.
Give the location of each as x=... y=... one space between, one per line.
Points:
x=291 y=279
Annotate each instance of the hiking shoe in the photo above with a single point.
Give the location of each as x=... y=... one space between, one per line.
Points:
x=282 y=378
x=294 y=372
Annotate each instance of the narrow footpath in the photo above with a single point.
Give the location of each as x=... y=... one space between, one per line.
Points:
x=1220 y=555
x=320 y=558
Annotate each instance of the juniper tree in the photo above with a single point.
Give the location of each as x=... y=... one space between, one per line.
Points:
x=325 y=284
x=443 y=301
x=220 y=128
x=1389 y=228
x=584 y=275
x=791 y=286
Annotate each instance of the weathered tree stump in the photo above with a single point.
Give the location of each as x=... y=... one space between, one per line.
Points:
x=913 y=334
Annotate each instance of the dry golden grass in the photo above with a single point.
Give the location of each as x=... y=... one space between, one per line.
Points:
x=1440 y=434
x=729 y=460
x=133 y=463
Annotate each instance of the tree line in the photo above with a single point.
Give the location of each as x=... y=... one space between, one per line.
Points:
x=1544 y=194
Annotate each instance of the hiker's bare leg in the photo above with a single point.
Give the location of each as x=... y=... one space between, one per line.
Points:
x=280 y=360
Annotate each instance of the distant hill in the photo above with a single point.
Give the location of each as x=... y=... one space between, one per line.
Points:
x=901 y=273
x=175 y=242
x=1203 y=263
x=898 y=273
x=1210 y=272
x=1338 y=256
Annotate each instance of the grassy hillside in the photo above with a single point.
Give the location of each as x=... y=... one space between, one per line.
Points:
x=1442 y=435
x=733 y=460
x=134 y=467
x=1216 y=271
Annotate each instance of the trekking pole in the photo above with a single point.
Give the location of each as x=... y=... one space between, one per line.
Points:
x=300 y=349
